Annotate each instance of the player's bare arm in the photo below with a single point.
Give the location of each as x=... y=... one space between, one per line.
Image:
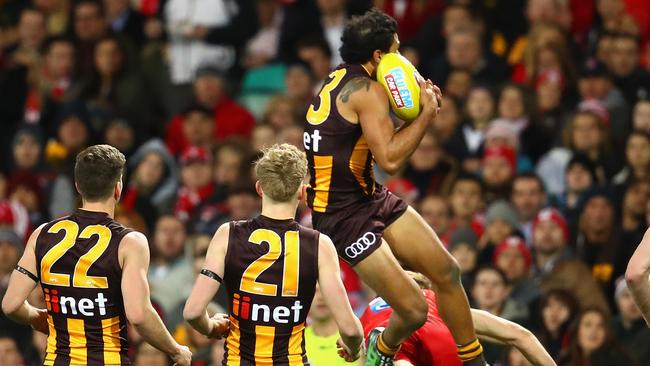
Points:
x=390 y=148
x=637 y=276
x=22 y=282
x=329 y=280
x=206 y=287
x=500 y=331
x=134 y=259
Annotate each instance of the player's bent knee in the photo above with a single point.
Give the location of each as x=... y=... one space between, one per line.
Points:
x=448 y=275
x=416 y=313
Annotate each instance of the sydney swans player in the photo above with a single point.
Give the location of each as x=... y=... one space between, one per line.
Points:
x=93 y=272
x=347 y=129
x=270 y=266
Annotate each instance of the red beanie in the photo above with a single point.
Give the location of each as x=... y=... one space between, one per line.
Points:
x=503 y=152
x=551 y=214
x=513 y=242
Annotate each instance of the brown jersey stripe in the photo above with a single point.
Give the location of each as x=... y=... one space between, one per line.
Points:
x=264 y=339
x=233 y=343
x=111 y=339
x=94 y=341
x=62 y=342
x=78 y=342
x=296 y=350
x=323 y=178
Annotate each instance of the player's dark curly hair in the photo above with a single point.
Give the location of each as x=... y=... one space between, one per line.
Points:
x=366 y=33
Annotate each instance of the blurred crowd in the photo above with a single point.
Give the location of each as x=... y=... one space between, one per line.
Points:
x=535 y=174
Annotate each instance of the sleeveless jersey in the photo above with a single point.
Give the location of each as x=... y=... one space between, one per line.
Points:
x=271 y=269
x=340 y=162
x=78 y=267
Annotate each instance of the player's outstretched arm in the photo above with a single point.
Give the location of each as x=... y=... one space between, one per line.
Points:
x=22 y=282
x=206 y=287
x=636 y=275
x=493 y=329
x=329 y=280
x=391 y=148
x=134 y=258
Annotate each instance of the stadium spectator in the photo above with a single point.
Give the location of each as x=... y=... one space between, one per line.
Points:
x=31 y=34
x=170 y=270
x=637 y=156
x=198 y=126
x=528 y=198
x=500 y=223
x=629 y=327
x=263 y=46
x=316 y=52
x=463 y=246
x=502 y=132
x=558 y=308
x=466 y=199
x=122 y=18
x=447 y=122
x=230 y=119
x=196 y=182
x=280 y=113
x=624 y=63
x=641 y=117
x=550 y=241
x=436 y=212
x=593 y=342
x=513 y=257
x=498 y=169
x=429 y=168
x=9 y=352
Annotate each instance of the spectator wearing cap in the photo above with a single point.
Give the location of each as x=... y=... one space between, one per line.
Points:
x=513 y=257
x=550 y=241
x=595 y=83
x=230 y=119
x=500 y=222
x=499 y=166
x=153 y=182
x=196 y=181
x=528 y=197
x=637 y=157
x=598 y=238
x=629 y=327
x=503 y=132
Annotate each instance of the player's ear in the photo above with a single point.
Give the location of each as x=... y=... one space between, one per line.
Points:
x=76 y=186
x=117 y=192
x=258 y=189
x=376 y=56
x=302 y=193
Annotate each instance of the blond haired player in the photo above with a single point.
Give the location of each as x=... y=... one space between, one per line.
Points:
x=270 y=266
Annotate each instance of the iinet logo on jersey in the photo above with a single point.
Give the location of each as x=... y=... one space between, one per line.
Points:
x=242 y=307
x=71 y=306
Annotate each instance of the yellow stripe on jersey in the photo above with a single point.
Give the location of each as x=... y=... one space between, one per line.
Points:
x=111 y=338
x=295 y=345
x=264 y=338
x=50 y=351
x=233 y=342
x=358 y=161
x=77 y=334
x=323 y=176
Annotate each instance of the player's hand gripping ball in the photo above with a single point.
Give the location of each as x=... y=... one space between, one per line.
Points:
x=400 y=80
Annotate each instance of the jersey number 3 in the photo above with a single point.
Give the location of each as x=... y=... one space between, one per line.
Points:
x=318 y=116
x=80 y=277
x=291 y=269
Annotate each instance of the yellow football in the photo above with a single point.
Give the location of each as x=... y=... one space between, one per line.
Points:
x=400 y=80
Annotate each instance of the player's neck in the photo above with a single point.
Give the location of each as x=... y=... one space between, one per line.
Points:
x=369 y=67
x=325 y=328
x=107 y=207
x=279 y=211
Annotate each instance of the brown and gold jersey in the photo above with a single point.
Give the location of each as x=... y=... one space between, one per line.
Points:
x=79 y=270
x=340 y=162
x=271 y=269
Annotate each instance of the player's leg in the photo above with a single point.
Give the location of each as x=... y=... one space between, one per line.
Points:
x=381 y=271
x=416 y=245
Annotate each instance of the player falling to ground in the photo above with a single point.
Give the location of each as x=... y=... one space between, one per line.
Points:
x=433 y=345
x=93 y=272
x=347 y=129
x=270 y=266
x=637 y=276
